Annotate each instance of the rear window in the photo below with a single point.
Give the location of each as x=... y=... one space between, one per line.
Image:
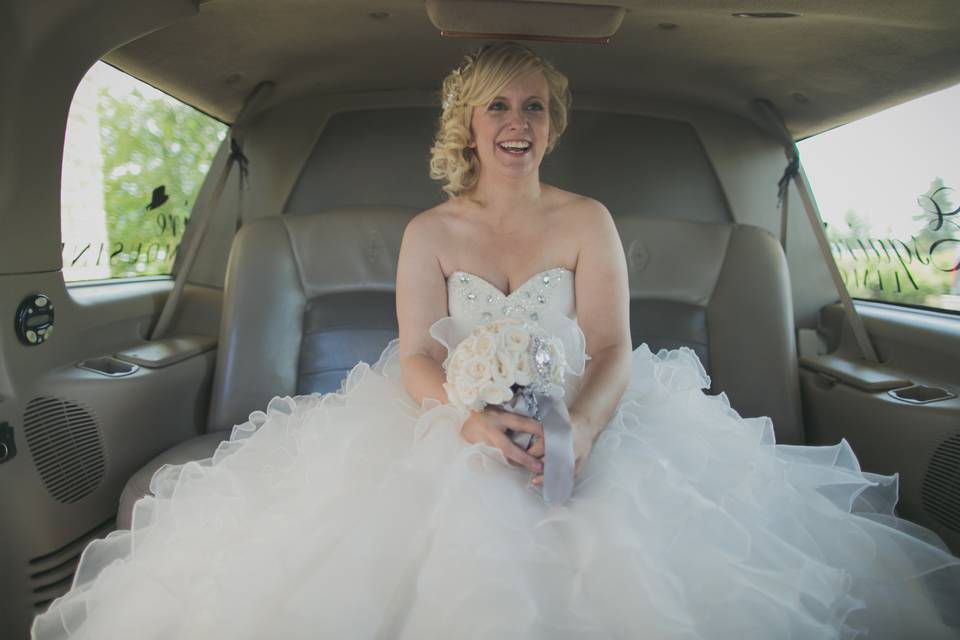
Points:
x=134 y=159
x=888 y=188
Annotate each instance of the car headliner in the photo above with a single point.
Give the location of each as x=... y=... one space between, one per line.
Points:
x=833 y=64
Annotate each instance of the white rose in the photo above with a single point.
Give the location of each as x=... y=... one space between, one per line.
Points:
x=495 y=393
x=514 y=339
x=459 y=359
x=468 y=396
x=522 y=371
x=468 y=345
x=477 y=371
x=506 y=368
x=484 y=344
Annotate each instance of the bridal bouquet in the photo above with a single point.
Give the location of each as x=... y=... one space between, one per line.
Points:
x=519 y=366
x=506 y=362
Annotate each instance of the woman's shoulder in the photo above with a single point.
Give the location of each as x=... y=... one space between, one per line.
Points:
x=431 y=223
x=574 y=208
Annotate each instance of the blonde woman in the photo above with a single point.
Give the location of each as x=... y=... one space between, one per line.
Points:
x=387 y=512
x=503 y=110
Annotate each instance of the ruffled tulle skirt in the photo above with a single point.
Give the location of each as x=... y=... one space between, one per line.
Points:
x=359 y=514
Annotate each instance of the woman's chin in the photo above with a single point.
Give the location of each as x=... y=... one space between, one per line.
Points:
x=516 y=166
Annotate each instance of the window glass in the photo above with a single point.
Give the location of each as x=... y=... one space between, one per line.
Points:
x=888 y=188
x=133 y=161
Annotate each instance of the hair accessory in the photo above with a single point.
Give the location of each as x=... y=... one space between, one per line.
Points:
x=452 y=94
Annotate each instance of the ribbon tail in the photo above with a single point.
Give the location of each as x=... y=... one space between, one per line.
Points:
x=558 y=451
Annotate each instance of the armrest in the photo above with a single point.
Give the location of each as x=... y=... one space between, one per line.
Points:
x=168 y=351
x=868 y=377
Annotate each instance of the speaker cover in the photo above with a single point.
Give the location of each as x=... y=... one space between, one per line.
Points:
x=65 y=442
x=941 y=484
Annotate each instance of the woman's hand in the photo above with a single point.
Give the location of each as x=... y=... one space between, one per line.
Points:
x=489 y=426
x=582 y=446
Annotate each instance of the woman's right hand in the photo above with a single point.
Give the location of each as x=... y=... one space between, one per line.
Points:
x=489 y=426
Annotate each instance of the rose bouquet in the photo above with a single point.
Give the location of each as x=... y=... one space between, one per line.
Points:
x=520 y=367
x=501 y=359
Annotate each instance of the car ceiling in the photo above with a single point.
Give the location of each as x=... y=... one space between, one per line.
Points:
x=836 y=62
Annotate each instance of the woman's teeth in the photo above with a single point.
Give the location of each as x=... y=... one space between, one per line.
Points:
x=516 y=148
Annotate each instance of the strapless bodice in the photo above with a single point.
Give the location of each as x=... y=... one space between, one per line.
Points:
x=474 y=299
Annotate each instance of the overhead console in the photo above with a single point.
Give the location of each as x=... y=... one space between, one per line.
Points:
x=543 y=21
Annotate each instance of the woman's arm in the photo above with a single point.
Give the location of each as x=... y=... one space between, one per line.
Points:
x=603 y=313
x=421 y=301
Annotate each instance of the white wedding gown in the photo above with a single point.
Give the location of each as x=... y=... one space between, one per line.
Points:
x=359 y=514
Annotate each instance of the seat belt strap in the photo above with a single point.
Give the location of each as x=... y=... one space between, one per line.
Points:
x=200 y=220
x=783 y=197
x=795 y=173
x=813 y=214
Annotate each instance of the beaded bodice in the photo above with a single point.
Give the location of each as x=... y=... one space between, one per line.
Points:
x=473 y=298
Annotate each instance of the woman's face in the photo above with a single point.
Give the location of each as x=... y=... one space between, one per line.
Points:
x=511 y=133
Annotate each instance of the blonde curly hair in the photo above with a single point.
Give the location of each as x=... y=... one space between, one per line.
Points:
x=477 y=82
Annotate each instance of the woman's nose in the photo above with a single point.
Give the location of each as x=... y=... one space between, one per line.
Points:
x=518 y=120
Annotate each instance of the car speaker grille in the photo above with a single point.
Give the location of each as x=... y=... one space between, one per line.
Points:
x=51 y=575
x=64 y=439
x=941 y=485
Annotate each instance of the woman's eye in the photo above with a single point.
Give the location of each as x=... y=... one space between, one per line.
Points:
x=498 y=106
x=535 y=106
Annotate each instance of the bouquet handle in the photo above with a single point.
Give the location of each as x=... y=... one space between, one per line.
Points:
x=559 y=460
x=558 y=449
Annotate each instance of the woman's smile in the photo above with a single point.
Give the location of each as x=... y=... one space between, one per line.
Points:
x=515 y=147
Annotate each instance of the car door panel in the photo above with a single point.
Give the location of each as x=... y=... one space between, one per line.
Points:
x=921 y=442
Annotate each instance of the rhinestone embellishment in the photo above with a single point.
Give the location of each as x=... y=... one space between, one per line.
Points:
x=485 y=302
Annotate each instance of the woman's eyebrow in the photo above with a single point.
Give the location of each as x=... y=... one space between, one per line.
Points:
x=533 y=97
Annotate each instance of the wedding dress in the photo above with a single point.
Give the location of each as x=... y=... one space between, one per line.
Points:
x=360 y=514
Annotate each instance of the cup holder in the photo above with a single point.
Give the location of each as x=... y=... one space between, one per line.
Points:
x=108 y=366
x=920 y=394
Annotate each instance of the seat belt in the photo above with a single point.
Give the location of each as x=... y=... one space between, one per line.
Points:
x=795 y=173
x=200 y=220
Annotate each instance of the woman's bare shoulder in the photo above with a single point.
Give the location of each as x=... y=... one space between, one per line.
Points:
x=430 y=226
x=574 y=208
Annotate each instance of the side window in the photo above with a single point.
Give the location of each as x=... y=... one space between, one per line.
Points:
x=133 y=161
x=888 y=188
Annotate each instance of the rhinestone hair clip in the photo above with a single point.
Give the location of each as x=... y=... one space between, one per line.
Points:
x=451 y=97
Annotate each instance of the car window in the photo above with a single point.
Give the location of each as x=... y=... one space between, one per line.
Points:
x=133 y=161
x=888 y=188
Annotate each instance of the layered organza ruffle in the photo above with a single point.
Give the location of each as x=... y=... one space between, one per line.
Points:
x=361 y=515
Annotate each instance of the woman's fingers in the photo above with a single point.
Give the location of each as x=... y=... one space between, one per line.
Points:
x=521 y=423
x=516 y=454
x=537 y=448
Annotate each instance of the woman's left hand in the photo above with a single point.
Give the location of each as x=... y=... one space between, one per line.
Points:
x=582 y=445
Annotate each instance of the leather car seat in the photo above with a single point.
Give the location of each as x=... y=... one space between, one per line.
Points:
x=307 y=296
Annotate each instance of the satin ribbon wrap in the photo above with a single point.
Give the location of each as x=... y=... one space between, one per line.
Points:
x=559 y=460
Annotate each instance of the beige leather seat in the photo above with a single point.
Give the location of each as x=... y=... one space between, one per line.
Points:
x=308 y=296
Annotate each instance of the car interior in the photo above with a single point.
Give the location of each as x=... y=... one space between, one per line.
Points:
x=684 y=121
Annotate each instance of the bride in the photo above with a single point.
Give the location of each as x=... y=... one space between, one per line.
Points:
x=383 y=511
